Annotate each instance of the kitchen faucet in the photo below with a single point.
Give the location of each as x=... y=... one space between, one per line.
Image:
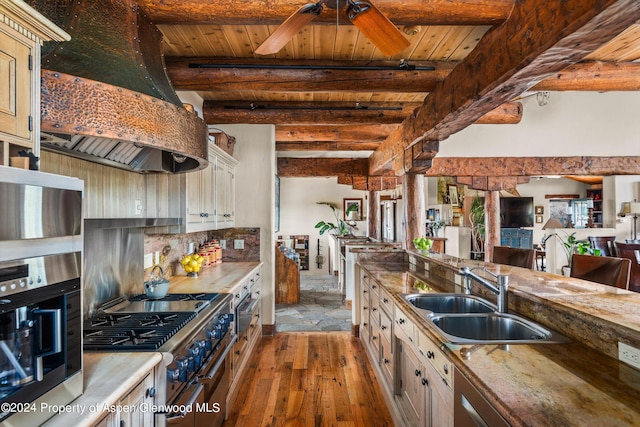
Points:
x=501 y=290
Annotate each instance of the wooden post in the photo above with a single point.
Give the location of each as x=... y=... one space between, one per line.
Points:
x=373 y=219
x=491 y=223
x=414 y=208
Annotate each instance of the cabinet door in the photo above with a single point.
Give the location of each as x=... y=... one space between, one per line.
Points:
x=140 y=395
x=195 y=209
x=413 y=390
x=15 y=79
x=225 y=194
x=441 y=400
x=208 y=193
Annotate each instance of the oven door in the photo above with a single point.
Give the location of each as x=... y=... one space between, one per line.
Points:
x=244 y=314
x=184 y=406
x=216 y=379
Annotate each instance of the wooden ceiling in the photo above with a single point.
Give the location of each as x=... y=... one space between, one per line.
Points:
x=331 y=91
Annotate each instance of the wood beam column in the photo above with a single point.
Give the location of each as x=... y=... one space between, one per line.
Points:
x=491 y=223
x=414 y=208
x=373 y=218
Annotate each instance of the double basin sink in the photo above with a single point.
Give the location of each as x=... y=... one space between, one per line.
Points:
x=468 y=319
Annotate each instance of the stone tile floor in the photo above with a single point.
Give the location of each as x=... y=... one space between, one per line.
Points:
x=321 y=308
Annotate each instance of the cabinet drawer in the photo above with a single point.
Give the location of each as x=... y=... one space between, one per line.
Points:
x=375 y=335
x=386 y=326
x=386 y=360
x=386 y=302
x=436 y=358
x=405 y=325
x=375 y=307
x=375 y=287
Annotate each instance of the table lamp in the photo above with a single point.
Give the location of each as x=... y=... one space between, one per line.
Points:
x=631 y=208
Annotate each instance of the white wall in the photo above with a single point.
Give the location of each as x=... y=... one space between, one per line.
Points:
x=255 y=197
x=571 y=124
x=299 y=212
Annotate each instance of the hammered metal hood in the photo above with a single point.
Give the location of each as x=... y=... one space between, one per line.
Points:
x=106 y=96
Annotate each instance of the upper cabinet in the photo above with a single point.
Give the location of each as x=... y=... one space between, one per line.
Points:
x=210 y=194
x=22 y=31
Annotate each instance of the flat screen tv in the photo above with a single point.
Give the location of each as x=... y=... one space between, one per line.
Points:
x=516 y=212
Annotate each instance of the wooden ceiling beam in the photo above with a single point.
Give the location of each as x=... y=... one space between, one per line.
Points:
x=332 y=113
x=213 y=74
x=345 y=133
x=326 y=146
x=313 y=167
x=502 y=67
x=594 y=76
x=250 y=74
x=274 y=12
x=534 y=166
x=371 y=183
x=492 y=183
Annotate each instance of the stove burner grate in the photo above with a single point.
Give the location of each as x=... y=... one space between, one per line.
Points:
x=134 y=331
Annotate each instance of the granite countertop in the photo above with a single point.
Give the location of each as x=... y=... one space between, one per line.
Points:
x=544 y=384
x=107 y=377
x=221 y=278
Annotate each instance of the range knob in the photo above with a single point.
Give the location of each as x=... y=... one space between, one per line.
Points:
x=182 y=364
x=173 y=375
x=196 y=354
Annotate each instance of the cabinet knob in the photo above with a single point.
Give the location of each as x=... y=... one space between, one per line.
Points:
x=430 y=354
x=425 y=381
x=418 y=373
x=401 y=321
x=384 y=300
x=151 y=392
x=386 y=361
x=383 y=327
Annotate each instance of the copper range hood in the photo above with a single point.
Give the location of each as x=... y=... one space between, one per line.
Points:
x=106 y=96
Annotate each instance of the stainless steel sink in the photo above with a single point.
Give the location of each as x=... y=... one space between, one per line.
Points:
x=493 y=328
x=449 y=303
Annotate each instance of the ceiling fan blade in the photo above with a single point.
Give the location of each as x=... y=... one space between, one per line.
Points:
x=289 y=28
x=376 y=27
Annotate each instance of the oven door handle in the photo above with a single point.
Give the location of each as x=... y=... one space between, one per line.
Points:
x=247 y=305
x=188 y=406
x=214 y=370
x=55 y=335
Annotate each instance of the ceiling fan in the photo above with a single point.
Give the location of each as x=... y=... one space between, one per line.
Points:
x=364 y=15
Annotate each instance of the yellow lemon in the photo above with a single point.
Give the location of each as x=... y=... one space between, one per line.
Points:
x=186 y=260
x=193 y=263
x=188 y=268
x=196 y=268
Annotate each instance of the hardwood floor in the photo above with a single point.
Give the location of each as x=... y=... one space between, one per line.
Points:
x=309 y=379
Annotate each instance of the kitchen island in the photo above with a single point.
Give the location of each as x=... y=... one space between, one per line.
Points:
x=580 y=383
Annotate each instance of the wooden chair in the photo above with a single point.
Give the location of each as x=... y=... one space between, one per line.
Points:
x=631 y=251
x=610 y=271
x=518 y=257
x=606 y=244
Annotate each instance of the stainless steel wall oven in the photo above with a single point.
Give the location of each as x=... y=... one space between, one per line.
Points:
x=40 y=294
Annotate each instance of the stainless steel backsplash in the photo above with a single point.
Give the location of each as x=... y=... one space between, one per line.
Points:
x=113 y=264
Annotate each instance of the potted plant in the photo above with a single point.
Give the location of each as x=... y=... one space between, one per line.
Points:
x=340 y=228
x=571 y=245
x=476 y=218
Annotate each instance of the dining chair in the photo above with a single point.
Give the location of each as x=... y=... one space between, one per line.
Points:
x=631 y=251
x=606 y=244
x=518 y=257
x=612 y=271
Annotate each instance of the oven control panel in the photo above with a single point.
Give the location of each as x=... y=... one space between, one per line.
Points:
x=205 y=345
x=32 y=273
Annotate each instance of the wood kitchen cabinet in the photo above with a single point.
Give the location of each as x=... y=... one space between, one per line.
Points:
x=210 y=194
x=141 y=397
x=22 y=31
x=424 y=393
x=225 y=184
x=247 y=340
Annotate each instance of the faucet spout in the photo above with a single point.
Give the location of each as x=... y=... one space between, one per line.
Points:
x=501 y=289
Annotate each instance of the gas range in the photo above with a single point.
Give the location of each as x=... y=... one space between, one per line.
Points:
x=195 y=332
x=144 y=324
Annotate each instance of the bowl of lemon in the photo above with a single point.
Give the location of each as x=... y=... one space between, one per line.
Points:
x=192 y=264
